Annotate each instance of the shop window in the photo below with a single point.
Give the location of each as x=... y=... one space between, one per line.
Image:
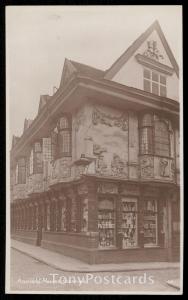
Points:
x=150 y=223
x=37 y=158
x=21 y=171
x=84 y=215
x=162 y=139
x=48 y=217
x=155 y=83
x=73 y=213
x=106 y=223
x=64 y=137
x=129 y=222
x=64 y=216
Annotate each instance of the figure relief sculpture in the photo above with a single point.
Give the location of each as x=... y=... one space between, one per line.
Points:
x=118 y=166
x=163 y=168
x=147 y=167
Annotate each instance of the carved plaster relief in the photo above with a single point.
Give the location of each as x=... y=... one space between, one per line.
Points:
x=146 y=165
x=99 y=117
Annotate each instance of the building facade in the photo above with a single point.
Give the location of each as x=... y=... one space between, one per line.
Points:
x=95 y=175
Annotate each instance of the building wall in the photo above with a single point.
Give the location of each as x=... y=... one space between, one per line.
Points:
x=131 y=74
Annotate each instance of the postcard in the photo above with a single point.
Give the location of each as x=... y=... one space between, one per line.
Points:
x=94 y=150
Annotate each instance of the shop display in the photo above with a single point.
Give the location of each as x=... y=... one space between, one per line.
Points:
x=150 y=222
x=129 y=223
x=84 y=221
x=106 y=225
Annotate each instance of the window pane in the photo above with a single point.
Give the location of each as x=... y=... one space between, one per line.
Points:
x=63 y=123
x=38 y=147
x=38 y=163
x=106 y=224
x=147 y=74
x=163 y=79
x=163 y=91
x=147 y=85
x=146 y=142
x=54 y=141
x=155 y=76
x=64 y=142
x=162 y=143
x=129 y=223
x=155 y=88
x=46 y=149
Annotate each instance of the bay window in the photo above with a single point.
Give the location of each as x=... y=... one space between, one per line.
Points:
x=64 y=137
x=154 y=136
x=36 y=159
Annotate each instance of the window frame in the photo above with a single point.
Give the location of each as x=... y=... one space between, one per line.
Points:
x=151 y=81
x=156 y=216
x=20 y=179
x=153 y=134
x=36 y=169
x=66 y=129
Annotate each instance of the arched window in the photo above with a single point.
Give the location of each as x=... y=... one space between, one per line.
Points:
x=64 y=136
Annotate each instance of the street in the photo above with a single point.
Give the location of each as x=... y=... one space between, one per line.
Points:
x=28 y=274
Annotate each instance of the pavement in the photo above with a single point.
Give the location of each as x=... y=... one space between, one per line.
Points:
x=68 y=264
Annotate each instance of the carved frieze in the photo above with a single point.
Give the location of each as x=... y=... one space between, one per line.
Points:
x=147 y=167
x=99 y=117
x=118 y=166
x=152 y=51
x=110 y=188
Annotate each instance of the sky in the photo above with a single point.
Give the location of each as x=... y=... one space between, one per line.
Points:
x=39 y=38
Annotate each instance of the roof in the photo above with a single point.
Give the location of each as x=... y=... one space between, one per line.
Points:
x=88 y=70
x=136 y=44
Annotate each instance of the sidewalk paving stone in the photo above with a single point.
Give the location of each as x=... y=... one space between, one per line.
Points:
x=68 y=264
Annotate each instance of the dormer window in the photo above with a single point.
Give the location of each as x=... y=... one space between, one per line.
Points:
x=155 y=83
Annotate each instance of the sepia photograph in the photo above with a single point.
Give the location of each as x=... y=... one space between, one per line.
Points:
x=94 y=176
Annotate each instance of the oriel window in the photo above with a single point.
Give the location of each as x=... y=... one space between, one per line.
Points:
x=64 y=136
x=146 y=134
x=162 y=138
x=37 y=158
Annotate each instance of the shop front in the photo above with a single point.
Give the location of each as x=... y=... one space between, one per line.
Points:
x=101 y=221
